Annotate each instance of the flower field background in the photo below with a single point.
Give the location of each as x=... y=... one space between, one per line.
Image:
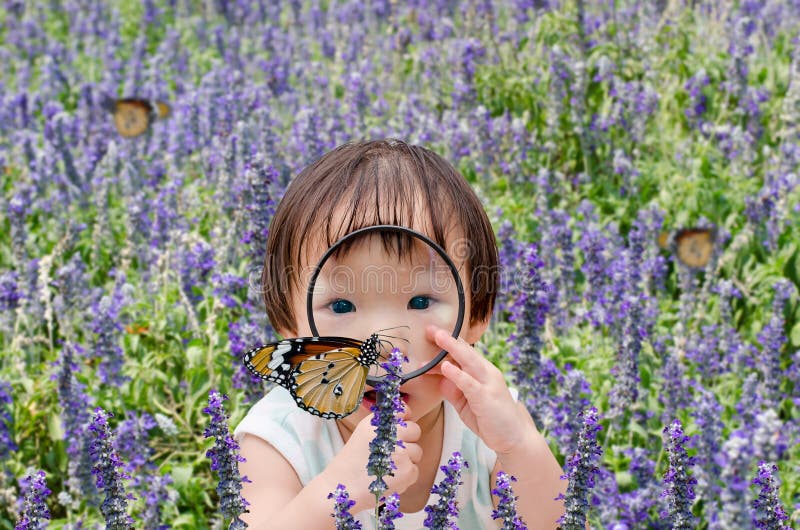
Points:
x=129 y=267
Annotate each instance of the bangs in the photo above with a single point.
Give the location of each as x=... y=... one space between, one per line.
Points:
x=385 y=191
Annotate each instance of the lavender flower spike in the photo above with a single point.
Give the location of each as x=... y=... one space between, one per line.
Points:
x=507 y=503
x=389 y=512
x=444 y=514
x=582 y=467
x=7 y=444
x=386 y=411
x=34 y=509
x=768 y=513
x=679 y=492
x=108 y=476
x=225 y=460
x=341 y=510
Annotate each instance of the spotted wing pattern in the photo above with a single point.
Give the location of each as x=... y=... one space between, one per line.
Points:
x=330 y=385
x=325 y=375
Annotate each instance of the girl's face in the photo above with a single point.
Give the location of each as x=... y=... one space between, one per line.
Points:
x=367 y=290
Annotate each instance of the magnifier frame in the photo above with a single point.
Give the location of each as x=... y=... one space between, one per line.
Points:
x=371 y=380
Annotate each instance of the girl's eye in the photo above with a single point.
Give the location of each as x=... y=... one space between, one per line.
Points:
x=343 y=306
x=419 y=302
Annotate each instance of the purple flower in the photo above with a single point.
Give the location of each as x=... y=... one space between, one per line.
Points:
x=262 y=180
x=341 y=509
x=637 y=502
x=582 y=470
x=444 y=514
x=34 y=508
x=625 y=391
x=228 y=288
x=506 y=503
x=767 y=210
x=131 y=441
x=9 y=291
x=572 y=397
x=675 y=385
x=389 y=511
x=509 y=255
x=108 y=476
x=242 y=335
x=107 y=328
x=735 y=459
x=697 y=98
x=7 y=444
x=768 y=512
x=225 y=460
x=195 y=264
x=679 y=483
x=529 y=313
x=156 y=495
x=386 y=411
x=772 y=339
x=71 y=397
x=707 y=413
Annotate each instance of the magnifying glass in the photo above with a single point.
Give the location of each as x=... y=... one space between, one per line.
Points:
x=390 y=281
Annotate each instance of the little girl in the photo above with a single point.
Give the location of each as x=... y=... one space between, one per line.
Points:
x=295 y=459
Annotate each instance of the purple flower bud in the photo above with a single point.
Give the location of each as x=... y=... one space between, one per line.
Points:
x=389 y=511
x=7 y=444
x=444 y=514
x=582 y=470
x=506 y=503
x=679 y=483
x=34 y=508
x=386 y=417
x=108 y=476
x=768 y=512
x=341 y=510
x=225 y=460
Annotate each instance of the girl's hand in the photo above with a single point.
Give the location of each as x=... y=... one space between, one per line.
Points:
x=477 y=390
x=349 y=466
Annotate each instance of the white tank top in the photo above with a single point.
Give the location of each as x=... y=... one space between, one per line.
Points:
x=309 y=443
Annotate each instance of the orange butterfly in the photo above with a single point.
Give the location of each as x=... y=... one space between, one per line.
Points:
x=692 y=246
x=133 y=116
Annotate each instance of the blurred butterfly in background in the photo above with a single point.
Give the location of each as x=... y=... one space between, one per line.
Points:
x=692 y=246
x=325 y=375
x=133 y=116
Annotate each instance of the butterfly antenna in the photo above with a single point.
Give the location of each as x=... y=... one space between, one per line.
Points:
x=393 y=327
x=383 y=346
x=393 y=337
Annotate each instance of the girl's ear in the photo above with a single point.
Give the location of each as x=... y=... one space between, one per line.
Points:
x=284 y=333
x=472 y=332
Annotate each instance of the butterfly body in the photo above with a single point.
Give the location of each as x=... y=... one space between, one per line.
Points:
x=325 y=375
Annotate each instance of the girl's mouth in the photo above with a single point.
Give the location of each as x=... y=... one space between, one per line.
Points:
x=371 y=397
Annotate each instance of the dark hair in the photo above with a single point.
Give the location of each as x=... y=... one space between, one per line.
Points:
x=377 y=182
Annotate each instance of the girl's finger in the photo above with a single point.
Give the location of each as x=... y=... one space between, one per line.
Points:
x=452 y=394
x=467 y=384
x=414 y=452
x=462 y=353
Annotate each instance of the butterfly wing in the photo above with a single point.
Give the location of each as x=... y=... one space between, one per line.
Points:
x=331 y=384
x=277 y=361
x=132 y=116
x=694 y=246
x=163 y=109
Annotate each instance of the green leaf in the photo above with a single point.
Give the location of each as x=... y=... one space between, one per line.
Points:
x=794 y=335
x=54 y=428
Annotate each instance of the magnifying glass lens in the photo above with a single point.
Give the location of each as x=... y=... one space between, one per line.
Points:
x=390 y=283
